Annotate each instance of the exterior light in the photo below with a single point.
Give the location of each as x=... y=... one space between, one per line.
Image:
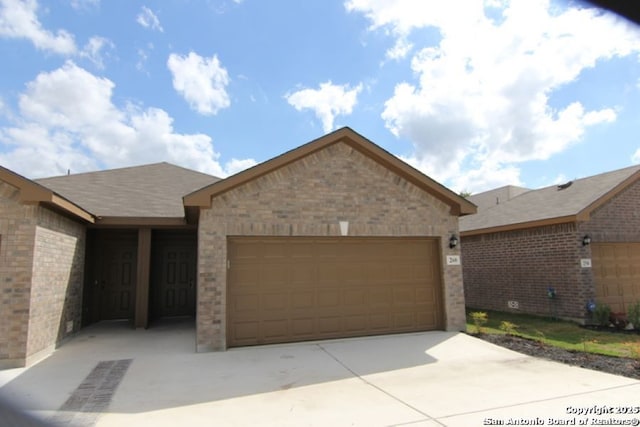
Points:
x=586 y=240
x=453 y=241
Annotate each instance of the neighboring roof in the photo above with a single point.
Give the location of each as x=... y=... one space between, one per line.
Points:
x=459 y=205
x=494 y=197
x=148 y=191
x=551 y=205
x=33 y=193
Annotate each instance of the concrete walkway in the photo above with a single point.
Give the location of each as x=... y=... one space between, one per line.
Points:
x=111 y=375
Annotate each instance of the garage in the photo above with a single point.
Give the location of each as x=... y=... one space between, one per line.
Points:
x=285 y=289
x=616 y=271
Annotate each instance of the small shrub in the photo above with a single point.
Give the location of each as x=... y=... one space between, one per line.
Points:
x=633 y=315
x=480 y=318
x=601 y=314
x=508 y=327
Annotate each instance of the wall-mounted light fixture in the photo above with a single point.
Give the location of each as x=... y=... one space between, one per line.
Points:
x=453 y=241
x=586 y=240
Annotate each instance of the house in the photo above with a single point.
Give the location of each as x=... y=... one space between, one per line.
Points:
x=554 y=250
x=336 y=238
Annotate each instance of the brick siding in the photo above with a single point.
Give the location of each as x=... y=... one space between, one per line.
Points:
x=56 y=286
x=308 y=198
x=521 y=265
x=41 y=268
x=618 y=220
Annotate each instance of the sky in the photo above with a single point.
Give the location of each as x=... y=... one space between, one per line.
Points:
x=476 y=94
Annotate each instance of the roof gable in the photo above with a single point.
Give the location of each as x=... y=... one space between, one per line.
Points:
x=458 y=205
x=33 y=193
x=570 y=202
x=151 y=191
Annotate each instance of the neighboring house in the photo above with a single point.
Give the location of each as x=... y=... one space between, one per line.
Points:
x=336 y=238
x=554 y=250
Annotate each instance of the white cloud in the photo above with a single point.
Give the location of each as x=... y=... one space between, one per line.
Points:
x=481 y=94
x=84 y=4
x=95 y=49
x=635 y=158
x=201 y=81
x=148 y=19
x=67 y=120
x=234 y=165
x=328 y=101
x=19 y=19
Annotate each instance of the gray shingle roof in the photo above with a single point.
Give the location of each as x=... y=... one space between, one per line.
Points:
x=153 y=190
x=547 y=203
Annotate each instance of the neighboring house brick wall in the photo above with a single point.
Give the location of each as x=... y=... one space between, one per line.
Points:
x=17 y=232
x=520 y=265
x=30 y=297
x=618 y=220
x=308 y=198
x=56 y=288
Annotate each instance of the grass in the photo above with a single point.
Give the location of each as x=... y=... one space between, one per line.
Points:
x=563 y=334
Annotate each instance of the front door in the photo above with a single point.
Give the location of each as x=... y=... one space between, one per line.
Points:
x=118 y=284
x=111 y=289
x=177 y=281
x=173 y=277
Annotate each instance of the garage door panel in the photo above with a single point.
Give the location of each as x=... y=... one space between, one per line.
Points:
x=313 y=288
x=616 y=270
x=274 y=330
x=275 y=301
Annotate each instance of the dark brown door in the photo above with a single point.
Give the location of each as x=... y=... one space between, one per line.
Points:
x=116 y=278
x=176 y=281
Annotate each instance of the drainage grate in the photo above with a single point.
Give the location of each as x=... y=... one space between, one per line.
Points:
x=93 y=395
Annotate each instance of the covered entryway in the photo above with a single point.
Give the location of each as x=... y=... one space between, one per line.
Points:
x=284 y=289
x=616 y=270
x=139 y=274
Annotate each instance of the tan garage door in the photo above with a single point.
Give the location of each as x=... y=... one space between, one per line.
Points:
x=296 y=289
x=616 y=270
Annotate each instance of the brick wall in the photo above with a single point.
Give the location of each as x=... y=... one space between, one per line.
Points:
x=17 y=232
x=56 y=287
x=520 y=266
x=309 y=198
x=41 y=259
x=618 y=220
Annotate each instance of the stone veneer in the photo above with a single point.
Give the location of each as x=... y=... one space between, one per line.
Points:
x=41 y=273
x=308 y=198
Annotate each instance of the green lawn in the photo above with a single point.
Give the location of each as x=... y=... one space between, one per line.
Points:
x=567 y=335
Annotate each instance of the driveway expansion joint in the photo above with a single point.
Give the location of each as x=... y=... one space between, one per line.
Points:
x=370 y=384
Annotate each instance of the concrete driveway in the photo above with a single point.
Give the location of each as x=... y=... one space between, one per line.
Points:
x=110 y=375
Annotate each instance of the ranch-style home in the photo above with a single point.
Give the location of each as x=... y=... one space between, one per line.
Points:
x=336 y=238
x=556 y=250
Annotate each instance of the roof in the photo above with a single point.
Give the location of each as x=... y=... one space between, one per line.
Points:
x=490 y=198
x=34 y=193
x=148 y=191
x=570 y=202
x=459 y=205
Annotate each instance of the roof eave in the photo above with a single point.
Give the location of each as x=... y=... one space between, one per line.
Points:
x=521 y=225
x=459 y=206
x=141 y=221
x=585 y=213
x=33 y=193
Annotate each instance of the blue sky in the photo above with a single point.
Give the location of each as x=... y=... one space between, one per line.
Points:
x=474 y=94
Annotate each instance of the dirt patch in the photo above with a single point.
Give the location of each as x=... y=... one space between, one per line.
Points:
x=625 y=367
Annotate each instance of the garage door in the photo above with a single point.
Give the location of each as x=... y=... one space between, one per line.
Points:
x=616 y=270
x=296 y=289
